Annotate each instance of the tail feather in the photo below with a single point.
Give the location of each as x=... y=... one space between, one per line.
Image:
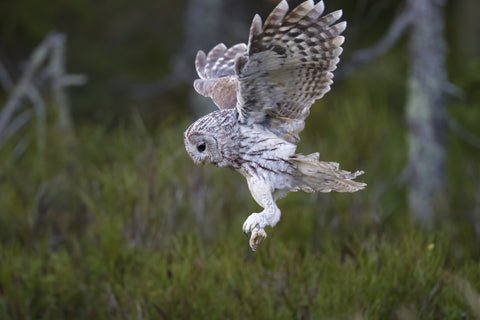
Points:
x=320 y=176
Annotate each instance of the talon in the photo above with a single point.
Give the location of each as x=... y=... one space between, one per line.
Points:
x=257 y=236
x=254 y=226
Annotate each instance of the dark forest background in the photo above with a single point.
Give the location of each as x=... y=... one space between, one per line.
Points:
x=103 y=214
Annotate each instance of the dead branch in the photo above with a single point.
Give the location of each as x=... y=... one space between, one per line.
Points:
x=363 y=56
x=202 y=27
x=20 y=90
x=17 y=123
x=56 y=68
x=51 y=52
x=463 y=133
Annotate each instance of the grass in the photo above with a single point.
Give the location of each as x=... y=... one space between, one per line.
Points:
x=119 y=224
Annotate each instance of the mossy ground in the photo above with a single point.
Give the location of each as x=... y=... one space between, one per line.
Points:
x=119 y=224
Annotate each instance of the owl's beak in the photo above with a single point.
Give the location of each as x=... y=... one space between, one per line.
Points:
x=199 y=163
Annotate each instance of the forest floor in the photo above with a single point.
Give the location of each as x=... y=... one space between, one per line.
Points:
x=119 y=224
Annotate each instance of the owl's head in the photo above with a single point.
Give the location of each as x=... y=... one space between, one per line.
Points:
x=206 y=139
x=202 y=147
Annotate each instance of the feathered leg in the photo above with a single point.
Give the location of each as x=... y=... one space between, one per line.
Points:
x=256 y=222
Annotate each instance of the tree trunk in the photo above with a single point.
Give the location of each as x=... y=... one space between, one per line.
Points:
x=425 y=109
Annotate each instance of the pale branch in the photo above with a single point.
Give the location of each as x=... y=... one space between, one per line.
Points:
x=453 y=90
x=202 y=26
x=147 y=91
x=20 y=148
x=48 y=59
x=73 y=80
x=57 y=68
x=363 y=56
x=460 y=131
x=19 y=91
x=16 y=124
x=463 y=133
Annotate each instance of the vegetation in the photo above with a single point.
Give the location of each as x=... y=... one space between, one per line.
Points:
x=115 y=222
x=122 y=225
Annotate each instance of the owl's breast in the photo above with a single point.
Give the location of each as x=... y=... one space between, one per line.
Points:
x=263 y=154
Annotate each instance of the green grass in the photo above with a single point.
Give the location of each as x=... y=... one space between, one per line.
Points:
x=119 y=224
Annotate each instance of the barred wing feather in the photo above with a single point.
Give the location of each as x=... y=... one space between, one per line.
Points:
x=216 y=70
x=285 y=67
x=288 y=66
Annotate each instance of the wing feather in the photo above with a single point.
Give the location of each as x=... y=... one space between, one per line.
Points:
x=288 y=66
x=218 y=79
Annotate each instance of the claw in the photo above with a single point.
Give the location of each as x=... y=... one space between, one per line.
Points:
x=257 y=236
x=254 y=226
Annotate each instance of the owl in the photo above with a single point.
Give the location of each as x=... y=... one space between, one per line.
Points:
x=264 y=90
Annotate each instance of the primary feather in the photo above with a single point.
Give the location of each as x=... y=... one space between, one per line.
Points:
x=287 y=64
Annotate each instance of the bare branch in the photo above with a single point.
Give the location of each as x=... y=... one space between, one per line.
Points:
x=47 y=62
x=453 y=90
x=69 y=80
x=363 y=56
x=202 y=26
x=57 y=69
x=16 y=124
x=20 y=148
x=463 y=133
x=154 y=89
x=14 y=102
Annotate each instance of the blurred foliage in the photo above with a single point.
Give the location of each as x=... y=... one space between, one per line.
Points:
x=114 y=42
x=119 y=223
x=122 y=43
x=124 y=226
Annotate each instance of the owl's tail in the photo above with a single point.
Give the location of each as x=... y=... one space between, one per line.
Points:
x=320 y=176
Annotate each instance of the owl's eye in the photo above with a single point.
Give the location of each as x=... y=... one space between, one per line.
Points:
x=201 y=147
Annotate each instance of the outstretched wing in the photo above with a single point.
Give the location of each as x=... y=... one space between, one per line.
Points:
x=288 y=66
x=216 y=70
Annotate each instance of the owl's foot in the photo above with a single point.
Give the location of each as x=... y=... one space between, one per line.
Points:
x=256 y=237
x=254 y=225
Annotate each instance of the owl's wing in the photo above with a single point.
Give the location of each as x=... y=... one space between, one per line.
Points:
x=216 y=70
x=288 y=65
